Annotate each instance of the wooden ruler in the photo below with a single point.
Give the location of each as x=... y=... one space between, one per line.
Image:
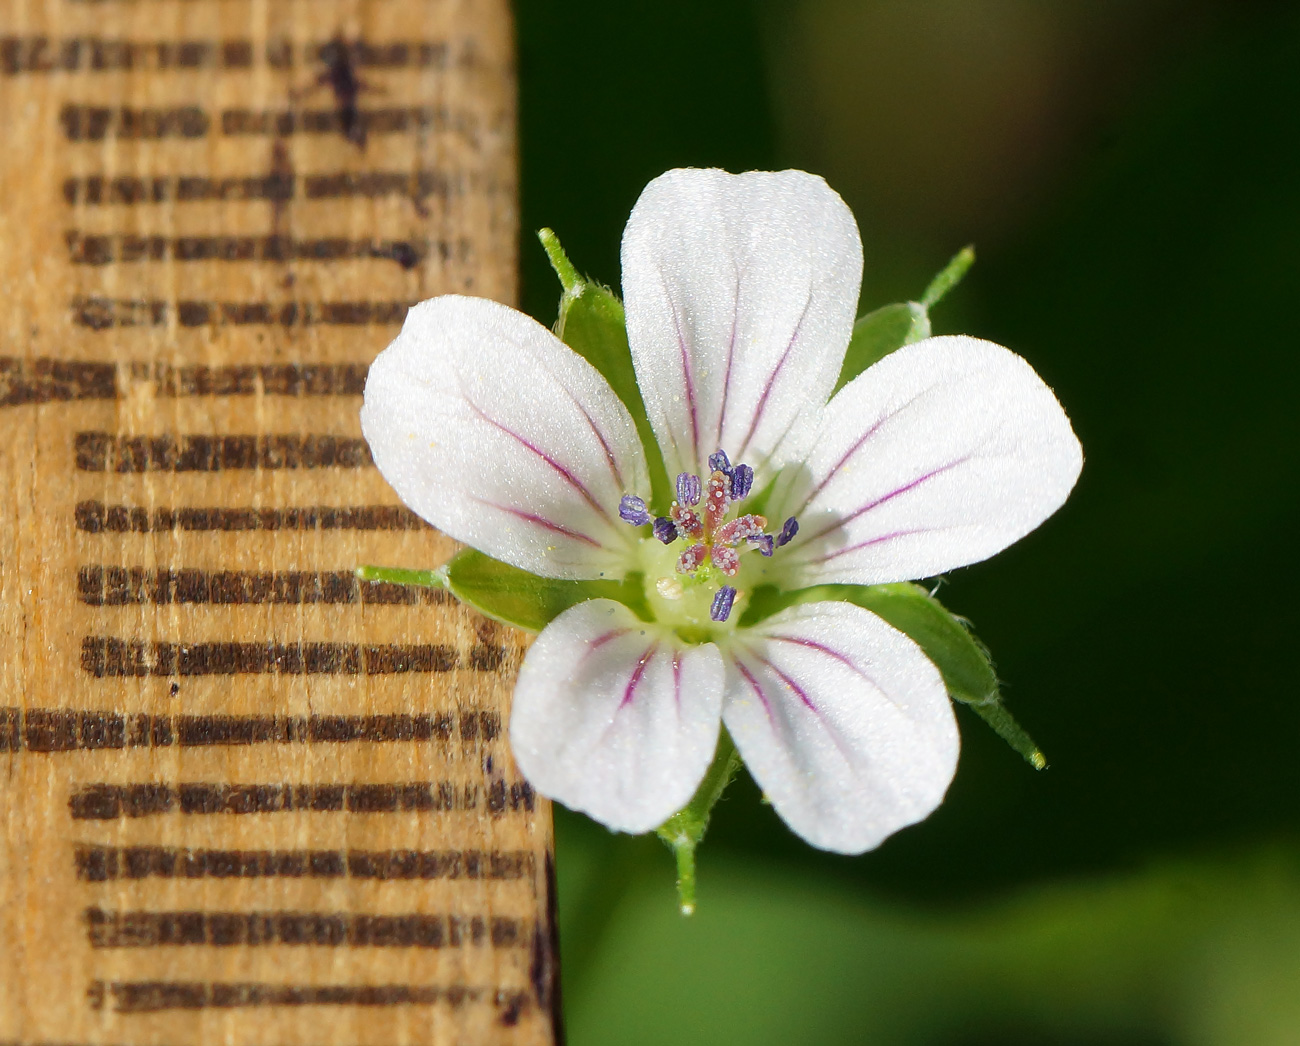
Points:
x=243 y=797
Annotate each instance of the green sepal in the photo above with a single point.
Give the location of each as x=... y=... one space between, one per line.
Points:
x=684 y=831
x=890 y=327
x=527 y=601
x=592 y=323
x=946 y=639
x=879 y=333
x=510 y=595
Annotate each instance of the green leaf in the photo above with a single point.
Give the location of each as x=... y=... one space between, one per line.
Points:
x=961 y=659
x=684 y=831
x=879 y=333
x=525 y=600
x=591 y=322
x=890 y=327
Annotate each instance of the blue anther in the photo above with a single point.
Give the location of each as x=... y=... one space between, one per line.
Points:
x=719 y=462
x=788 y=530
x=688 y=488
x=764 y=543
x=665 y=530
x=722 y=601
x=632 y=510
x=742 y=479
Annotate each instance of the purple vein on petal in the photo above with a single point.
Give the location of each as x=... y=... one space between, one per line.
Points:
x=789 y=682
x=629 y=693
x=757 y=688
x=897 y=492
x=687 y=378
x=857 y=445
x=771 y=380
x=565 y=473
x=871 y=541
x=731 y=355
x=844 y=659
x=532 y=517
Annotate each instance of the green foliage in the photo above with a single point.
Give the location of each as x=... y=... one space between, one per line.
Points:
x=890 y=327
x=511 y=595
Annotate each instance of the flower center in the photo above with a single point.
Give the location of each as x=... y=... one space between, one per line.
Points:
x=693 y=563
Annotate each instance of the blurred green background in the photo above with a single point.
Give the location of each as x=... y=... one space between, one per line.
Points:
x=1129 y=171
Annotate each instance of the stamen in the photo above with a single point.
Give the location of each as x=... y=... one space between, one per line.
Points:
x=719 y=462
x=715 y=502
x=688 y=488
x=788 y=530
x=763 y=542
x=665 y=530
x=692 y=559
x=632 y=510
x=740 y=529
x=721 y=608
x=726 y=559
x=742 y=480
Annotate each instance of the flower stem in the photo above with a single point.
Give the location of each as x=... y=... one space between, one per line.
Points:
x=685 y=829
x=402 y=576
x=949 y=278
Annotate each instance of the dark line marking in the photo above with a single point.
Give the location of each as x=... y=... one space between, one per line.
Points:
x=391 y=120
x=111 y=802
x=128 y=248
x=160 y=996
x=100 y=190
x=127 y=586
x=44 y=379
x=109 y=657
x=94 y=517
x=142 y=929
x=69 y=730
x=98 y=864
x=94 y=54
x=341 y=77
x=94 y=123
x=105 y=452
x=99 y=313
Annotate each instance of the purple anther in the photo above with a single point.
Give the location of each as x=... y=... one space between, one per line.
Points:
x=742 y=479
x=726 y=559
x=632 y=510
x=788 y=530
x=692 y=559
x=742 y=528
x=688 y=488
x=763 y=542
x=721 y=608
x=665 y=530
x=719 y=462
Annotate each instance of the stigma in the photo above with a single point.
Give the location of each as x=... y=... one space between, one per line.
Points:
x=712 y=531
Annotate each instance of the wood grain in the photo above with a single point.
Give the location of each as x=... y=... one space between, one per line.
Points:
x=246 y=799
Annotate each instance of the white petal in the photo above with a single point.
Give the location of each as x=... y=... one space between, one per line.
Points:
x=740 y=293
x=842 y=721
x=940 y=455
x=498 y=434
x=614 y=717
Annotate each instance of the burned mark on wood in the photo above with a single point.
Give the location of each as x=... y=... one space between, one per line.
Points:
x=69 y=730
x=161 y=996
x=544 y=967
x=340 y=76
x=95 y=517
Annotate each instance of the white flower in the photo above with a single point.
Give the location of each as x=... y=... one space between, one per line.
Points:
x=740 y=294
